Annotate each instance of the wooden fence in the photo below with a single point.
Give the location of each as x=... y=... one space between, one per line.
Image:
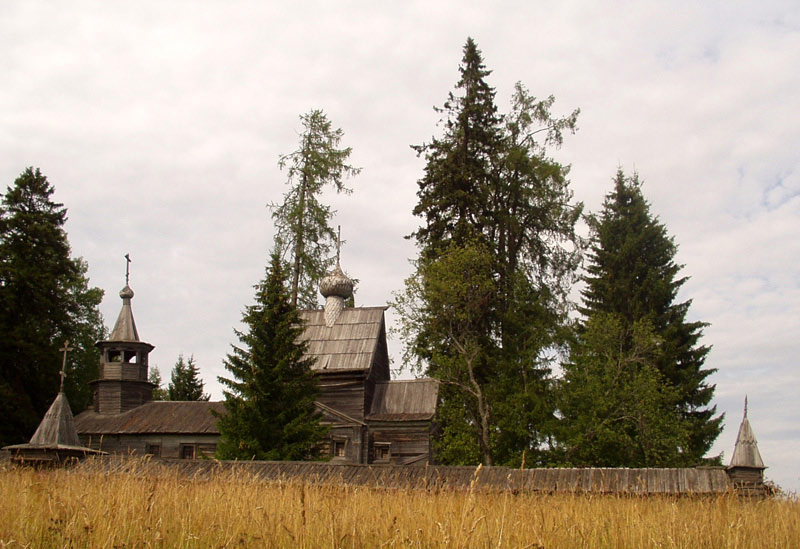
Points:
x=698 y=481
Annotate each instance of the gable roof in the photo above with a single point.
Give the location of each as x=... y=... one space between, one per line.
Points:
x=404 y=400
x=350 y=344
x=163 y=417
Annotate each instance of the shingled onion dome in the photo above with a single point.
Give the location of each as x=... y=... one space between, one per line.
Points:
x=335 y=288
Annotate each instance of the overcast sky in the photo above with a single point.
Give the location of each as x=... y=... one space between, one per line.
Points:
x=160 y=125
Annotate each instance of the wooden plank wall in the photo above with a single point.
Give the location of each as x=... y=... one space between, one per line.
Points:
x=408 y=439
x=113 y=397
x=136 y=445
x=344 y=393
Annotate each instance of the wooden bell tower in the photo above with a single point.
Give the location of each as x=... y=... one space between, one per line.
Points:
x=123 y=383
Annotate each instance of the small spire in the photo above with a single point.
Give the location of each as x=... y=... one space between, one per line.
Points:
x=63 y=373
x=745 y=406
x=125 y=327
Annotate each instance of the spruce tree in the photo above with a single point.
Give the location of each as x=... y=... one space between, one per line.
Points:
x=154 y=377
x=632 y=274
x=490 y=185
x=185 y=382
x=270 y=398
x=45 y=300
x=302 y=222
x=461 y=166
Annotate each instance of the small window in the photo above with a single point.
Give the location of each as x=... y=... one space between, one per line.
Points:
x=130 y=357
x=153 y=450
x=383 y=451
x=338 y=448
x=114 y=356
x=187 y=451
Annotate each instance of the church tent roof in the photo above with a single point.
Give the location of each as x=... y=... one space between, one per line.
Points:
x=745 y=453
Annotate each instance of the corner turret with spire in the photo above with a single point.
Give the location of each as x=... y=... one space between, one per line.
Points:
x=55 y=440
x=746 y=469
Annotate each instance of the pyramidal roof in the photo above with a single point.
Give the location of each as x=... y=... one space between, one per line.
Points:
x=57 y=427
x=746 y=453
x=125 y=327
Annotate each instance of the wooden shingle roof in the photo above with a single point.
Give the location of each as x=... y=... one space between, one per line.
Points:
x=404 y=400
x=55 y=439
x=745 y=453
x=125 y=326
x=57 y=426
x=164 y=417
x=350 y=344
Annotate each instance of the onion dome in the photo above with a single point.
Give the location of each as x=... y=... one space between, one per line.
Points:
x=336 y=284
x=335 y=288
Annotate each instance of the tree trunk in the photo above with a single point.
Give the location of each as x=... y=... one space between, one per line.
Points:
x=483 y=412
x=299 y=241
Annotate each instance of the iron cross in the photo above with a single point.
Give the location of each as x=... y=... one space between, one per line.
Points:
x=63 y=373
x=127 y=268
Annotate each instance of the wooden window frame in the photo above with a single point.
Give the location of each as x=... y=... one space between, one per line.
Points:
x=382 y=452
x=337 y=444
x=184 y=447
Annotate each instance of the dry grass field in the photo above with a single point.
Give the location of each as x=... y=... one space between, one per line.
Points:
x=76 y=508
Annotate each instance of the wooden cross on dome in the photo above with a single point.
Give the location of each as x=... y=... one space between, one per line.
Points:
x=63 y=373
x=127 y=268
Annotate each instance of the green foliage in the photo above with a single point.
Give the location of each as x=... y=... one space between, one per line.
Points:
x=270 y=399
x=154 y=377
x=185 y=382
x=45 y=300
x=302 y=222
x=632 y=273
x=456 y=289
x=489 y=185
x=617 y=411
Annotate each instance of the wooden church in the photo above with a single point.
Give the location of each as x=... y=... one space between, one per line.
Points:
x=372 y=418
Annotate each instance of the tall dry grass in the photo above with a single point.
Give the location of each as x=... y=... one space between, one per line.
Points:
x=76 y=508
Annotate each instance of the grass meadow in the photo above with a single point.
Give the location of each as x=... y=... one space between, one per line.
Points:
x=79 y=508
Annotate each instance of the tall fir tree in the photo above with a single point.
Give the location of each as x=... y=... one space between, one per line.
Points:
x=461 y=166
x=185 y=382
x=45 y=300
x=632 y=274
x=270 y=398
x=302 y=222
x=489 y=184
